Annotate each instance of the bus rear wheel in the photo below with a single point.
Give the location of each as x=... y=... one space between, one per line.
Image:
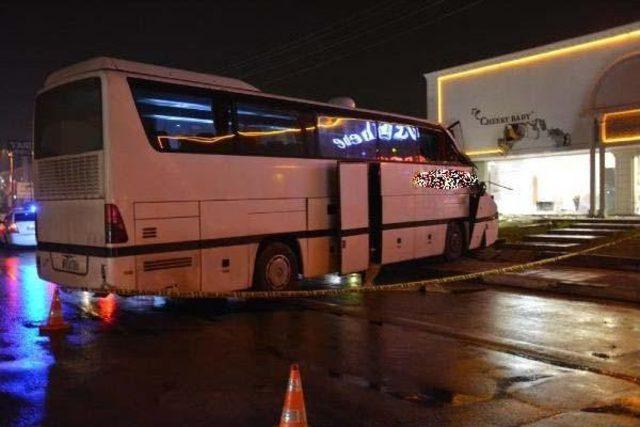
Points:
x=455 y=243
x=276 y=267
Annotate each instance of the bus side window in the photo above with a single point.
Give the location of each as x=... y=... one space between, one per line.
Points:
x=309 y=128
x=270 y=131
x=449 y=152
x=459 y=155
x=347 y=138
x=428 y=145
x=397 y=142
x=182 y=120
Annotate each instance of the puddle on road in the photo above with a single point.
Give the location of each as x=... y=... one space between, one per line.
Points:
x=437 y=397
x=616 y=409
x=427 y=396
x=503 y=384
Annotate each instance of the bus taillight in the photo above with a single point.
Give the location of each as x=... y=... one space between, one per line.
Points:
x=115 y=231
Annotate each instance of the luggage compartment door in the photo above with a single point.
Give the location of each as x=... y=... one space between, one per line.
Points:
x=353 y=228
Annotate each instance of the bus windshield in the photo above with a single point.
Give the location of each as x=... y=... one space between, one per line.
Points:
x=68 y=119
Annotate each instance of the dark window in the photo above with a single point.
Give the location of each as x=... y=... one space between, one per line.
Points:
x=183 y=119
x=459 y=155
x=265 y=130
x=398 y=142
x=449 y=151
x=68 y=119
x=24 y=216
x=346 y=138
x=430 y=144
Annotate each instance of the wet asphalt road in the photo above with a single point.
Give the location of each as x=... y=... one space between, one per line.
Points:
x=466 y=355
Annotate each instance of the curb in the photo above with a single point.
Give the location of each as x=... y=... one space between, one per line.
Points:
x=607 y=262
x=615 y=292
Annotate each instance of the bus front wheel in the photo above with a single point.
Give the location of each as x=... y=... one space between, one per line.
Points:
x=276 y=267
x=455 y=242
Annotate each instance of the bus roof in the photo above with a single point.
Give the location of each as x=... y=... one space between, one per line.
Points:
x=105 y=63
x=160 y=72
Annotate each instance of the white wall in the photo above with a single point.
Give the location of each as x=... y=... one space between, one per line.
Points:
x=551 y=92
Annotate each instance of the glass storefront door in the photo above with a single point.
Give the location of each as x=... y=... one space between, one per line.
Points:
x=544 y=185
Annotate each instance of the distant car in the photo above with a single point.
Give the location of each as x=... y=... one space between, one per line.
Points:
x=18 y=228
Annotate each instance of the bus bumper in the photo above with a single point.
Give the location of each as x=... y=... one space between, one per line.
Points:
x=86 y=272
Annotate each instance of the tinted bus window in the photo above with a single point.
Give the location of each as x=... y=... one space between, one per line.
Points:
x=68 y=119
x=398 y=142
x=455 y=152
x=449 y=152
x=180 y=120
x=429 y=145
x=269 y=131
x=346 y=138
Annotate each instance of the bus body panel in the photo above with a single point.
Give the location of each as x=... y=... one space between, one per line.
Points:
x=58 y=222
x=319 y=257
x=410 y=214
x=100 y=271
x=227 y=268
x=485 y=230
x=354 y=230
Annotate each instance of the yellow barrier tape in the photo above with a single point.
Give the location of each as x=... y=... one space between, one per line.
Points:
x=406 y=286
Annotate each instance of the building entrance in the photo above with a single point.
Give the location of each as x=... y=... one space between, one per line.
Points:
x=546 y=185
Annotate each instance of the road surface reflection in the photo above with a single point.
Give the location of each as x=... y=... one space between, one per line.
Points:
x=25 y=357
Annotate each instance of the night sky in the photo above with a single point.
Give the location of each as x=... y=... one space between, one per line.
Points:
x=374 y=51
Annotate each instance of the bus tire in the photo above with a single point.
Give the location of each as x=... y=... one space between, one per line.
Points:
x=276 y=267
x=454 y=245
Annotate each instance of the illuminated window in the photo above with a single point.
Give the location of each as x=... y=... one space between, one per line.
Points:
x=398 y=142
x=264 y=130
x=346 y=138
x=621 y=126
x=182 y=119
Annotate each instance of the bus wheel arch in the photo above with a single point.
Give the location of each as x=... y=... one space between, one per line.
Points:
x=277 y=265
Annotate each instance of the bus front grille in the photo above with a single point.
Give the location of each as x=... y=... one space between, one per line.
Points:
x=70 y=177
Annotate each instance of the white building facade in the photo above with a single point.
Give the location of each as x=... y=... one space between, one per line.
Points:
x=554 y=129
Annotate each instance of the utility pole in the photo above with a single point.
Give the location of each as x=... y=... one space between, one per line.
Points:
x=24 y=150
x=11 y=178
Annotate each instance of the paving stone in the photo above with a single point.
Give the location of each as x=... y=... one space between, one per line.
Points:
x=577 y=418
x=574 y=391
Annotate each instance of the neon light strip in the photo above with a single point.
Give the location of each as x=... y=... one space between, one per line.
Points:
x=269 y=133
x=532 y=58
x=193 y=138
x=178 y=118
x=174 y=104
x=603 y=127
x=484 y=152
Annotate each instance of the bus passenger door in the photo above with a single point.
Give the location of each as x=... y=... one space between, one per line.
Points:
x=353 y=228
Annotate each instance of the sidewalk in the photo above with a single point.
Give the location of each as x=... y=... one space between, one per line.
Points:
x=586 y=282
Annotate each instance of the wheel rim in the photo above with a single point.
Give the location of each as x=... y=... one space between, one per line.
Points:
x=278 y=272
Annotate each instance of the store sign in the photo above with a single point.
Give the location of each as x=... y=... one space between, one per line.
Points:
x=522 y=126
x=500 y=120
x=386 y=132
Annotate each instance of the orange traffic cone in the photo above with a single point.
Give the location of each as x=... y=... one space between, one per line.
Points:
x=293 y=412
x=55 y=322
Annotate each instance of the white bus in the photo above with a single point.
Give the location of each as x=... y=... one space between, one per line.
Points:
x=152 y=179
